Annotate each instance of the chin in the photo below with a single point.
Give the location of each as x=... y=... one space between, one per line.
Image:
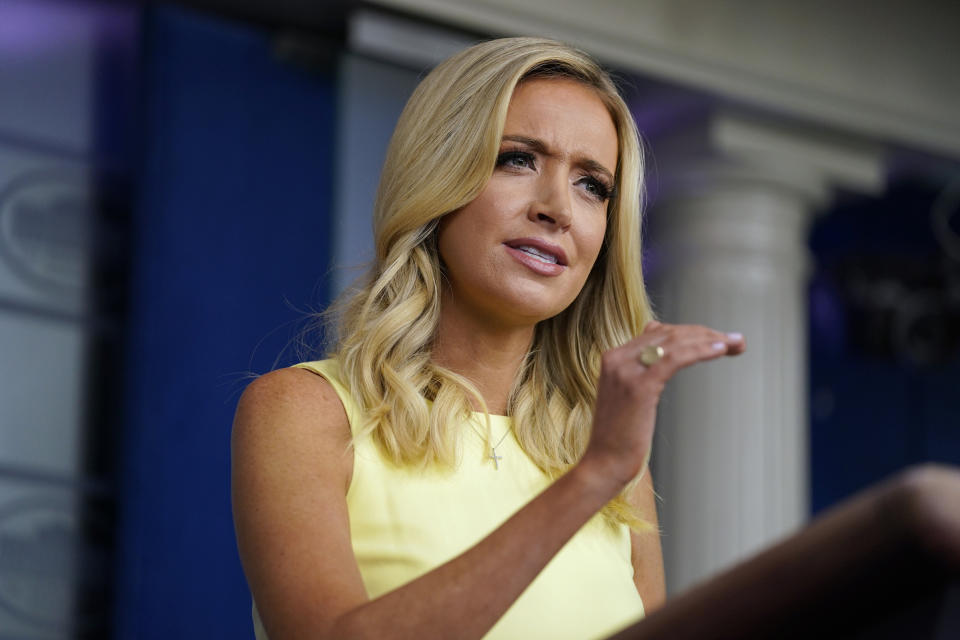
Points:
x=539 y=304
x=536 y=313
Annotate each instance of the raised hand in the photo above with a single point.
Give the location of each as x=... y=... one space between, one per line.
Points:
x=632 y=378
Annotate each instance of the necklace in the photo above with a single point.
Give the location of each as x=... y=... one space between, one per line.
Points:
x=493 y=451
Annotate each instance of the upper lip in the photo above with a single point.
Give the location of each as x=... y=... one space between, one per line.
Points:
x=540 y=245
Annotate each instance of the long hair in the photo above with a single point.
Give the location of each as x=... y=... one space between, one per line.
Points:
x=440 y=158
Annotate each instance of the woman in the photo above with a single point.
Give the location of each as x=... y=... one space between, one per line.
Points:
x=465 y=465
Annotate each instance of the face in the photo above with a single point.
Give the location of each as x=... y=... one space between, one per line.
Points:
x=522 y=250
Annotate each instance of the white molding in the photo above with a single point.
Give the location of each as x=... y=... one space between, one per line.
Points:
x=852 y=164
x=727 y=147
x=912 y=103
x=403 y=41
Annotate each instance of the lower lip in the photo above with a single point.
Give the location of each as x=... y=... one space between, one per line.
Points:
x=535 y=264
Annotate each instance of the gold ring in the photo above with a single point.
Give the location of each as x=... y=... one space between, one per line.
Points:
x=651 y=354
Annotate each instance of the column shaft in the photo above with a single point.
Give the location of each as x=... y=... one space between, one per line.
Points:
x=730 y=459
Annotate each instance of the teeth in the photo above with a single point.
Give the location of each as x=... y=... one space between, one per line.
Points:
x=540 y=255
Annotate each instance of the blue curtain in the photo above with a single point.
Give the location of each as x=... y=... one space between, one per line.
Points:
x=231 y=233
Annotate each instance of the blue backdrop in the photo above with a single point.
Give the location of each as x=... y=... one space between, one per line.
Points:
x=880 y=402
x=232 y=221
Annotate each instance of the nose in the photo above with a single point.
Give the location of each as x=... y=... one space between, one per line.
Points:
x=551 y=204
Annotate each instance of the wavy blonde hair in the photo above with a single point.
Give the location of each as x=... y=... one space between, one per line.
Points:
x=440 y=158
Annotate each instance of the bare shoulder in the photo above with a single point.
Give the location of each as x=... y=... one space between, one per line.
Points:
x=290 y=429
x=291 y=466
x=291 y=393
x=291 y=411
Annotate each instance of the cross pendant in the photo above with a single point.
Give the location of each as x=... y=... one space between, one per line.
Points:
x=493 y=456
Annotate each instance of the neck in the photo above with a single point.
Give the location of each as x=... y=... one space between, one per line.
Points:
x=485 y=352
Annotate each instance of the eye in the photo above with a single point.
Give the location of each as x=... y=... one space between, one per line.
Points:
x=516 y=160
x=596 y=188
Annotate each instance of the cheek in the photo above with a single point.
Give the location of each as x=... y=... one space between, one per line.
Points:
x=593 y=241
x=502 y=200
x=481 y=223
x=461 y=239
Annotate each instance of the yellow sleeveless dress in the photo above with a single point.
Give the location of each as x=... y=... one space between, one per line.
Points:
x=404 y=523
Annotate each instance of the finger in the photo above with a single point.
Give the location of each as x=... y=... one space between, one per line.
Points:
x=733 y=339
x=678 y=355
x=675 y=335
x=737 y=343
x=657 y=333
x=652 y=332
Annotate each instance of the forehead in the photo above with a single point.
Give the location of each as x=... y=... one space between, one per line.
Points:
x=567 y=115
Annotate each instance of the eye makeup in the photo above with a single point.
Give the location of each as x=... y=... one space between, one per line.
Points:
x=595 y=183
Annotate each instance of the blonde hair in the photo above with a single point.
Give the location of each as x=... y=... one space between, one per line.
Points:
x=441 y=156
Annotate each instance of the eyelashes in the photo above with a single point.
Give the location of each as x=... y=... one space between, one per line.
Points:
x=599 y=188
x=520 y=159
x=516 y=158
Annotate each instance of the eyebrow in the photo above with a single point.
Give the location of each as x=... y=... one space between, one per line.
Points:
x=541 y=147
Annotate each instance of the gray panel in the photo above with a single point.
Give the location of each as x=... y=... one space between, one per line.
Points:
x=54 y=546
x=372 y=95
x=41 y=401
x=46 y=207
x=46 y=71
x=54 y=555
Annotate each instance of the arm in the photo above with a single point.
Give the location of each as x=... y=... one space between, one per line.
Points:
x=646 y=553
x=291 y=468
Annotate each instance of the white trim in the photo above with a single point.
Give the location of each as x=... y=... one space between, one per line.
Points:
x=907 y=123
x=406 y=42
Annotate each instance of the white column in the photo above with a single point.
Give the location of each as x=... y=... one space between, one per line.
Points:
x=729 y=250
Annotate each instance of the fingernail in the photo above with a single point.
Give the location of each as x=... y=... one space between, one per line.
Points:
x=735 y=336
x=719 y=345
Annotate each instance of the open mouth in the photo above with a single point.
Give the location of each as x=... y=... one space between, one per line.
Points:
x=539 y=250
x=539 y=255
